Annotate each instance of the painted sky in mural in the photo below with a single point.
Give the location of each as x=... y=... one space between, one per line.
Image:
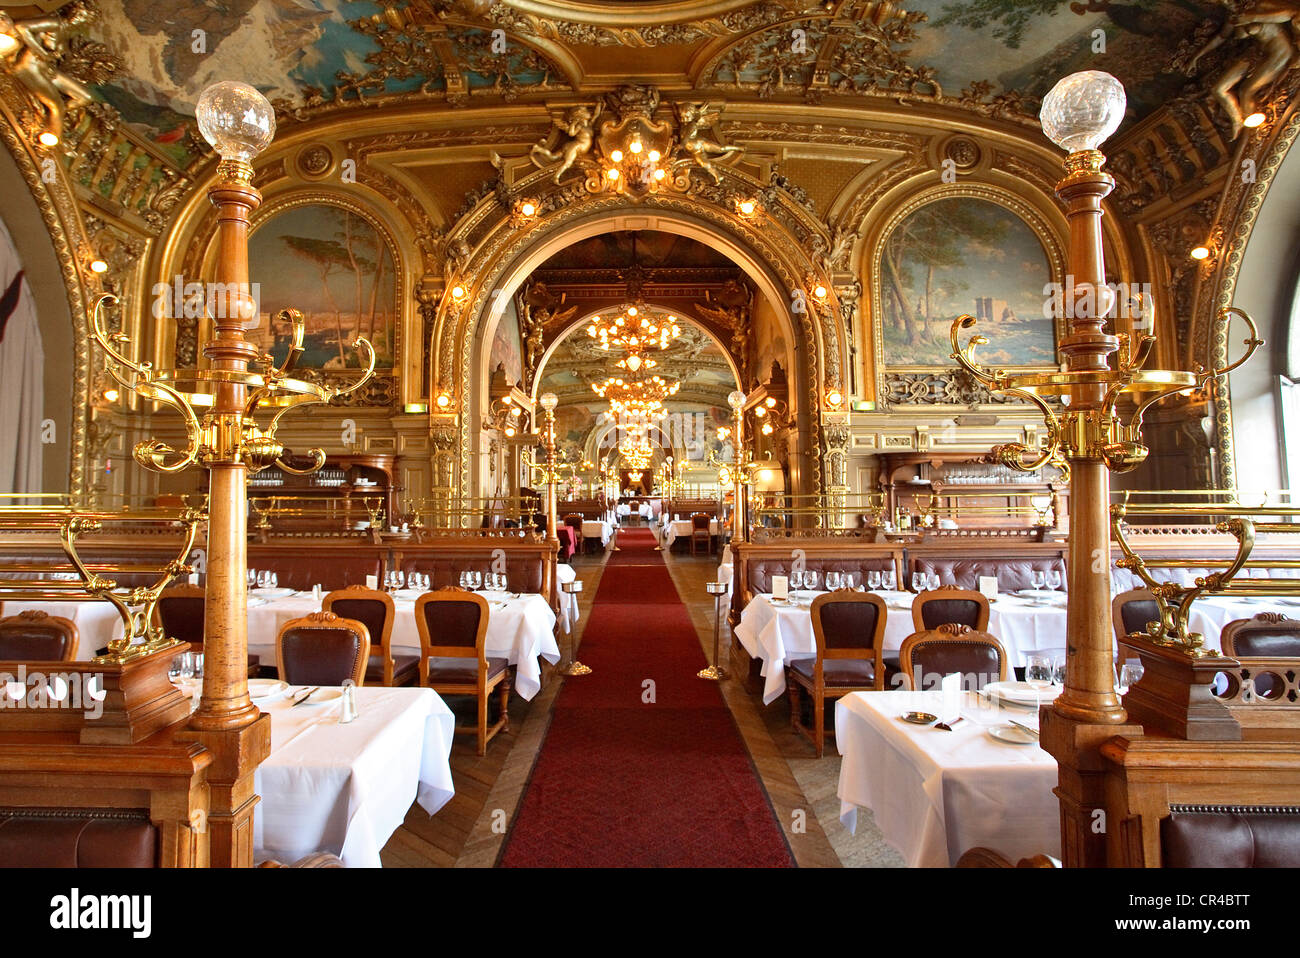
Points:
x=964 y=255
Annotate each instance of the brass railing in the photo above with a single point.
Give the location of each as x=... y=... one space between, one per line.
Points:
x=74 y=577
x=343 y=512
x=790 y=515
x=1243 y=522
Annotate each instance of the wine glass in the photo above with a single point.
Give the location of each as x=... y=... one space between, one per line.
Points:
x=464 y=579
x=810 y=580
x=252 y=578
x=1038 y=672
x=476 y=580
x=1053 y=580
x=832 y=581
x=274 y=580
x=848 y=580
x=796 y=580
x=873 y=579
x=263 y=579
x=426 y=583
x=1129 y=673
x=1058 y=670
x=887 y=580
x=932 y=580
x=918 y=582
x=1040 y=580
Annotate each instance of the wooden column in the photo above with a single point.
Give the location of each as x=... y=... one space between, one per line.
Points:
x=227 y=722
x=1088 y=710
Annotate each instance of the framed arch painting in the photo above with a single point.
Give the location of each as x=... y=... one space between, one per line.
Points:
x=336 y=267
x=970 y=253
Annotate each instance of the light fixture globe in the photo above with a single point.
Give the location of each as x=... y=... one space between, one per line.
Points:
x=1082 y=110
x=549 y=401
x=236 y=120
x=735 y=399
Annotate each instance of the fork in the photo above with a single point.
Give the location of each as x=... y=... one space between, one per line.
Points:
x=305 y=697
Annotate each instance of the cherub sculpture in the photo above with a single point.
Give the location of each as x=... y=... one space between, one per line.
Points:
x=580 y=127
x=1273 y=41
x=697 y=140
x=41 y=42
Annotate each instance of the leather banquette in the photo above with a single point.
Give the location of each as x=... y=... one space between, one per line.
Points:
x=1230 y=836
x=762 y=568
x=304 y=565
x=523 y=573
x=1013 y=572
x=77 y=838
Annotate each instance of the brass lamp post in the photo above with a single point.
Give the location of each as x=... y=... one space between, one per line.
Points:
x=226 y=440
x=549 y=473
x=1079 y=113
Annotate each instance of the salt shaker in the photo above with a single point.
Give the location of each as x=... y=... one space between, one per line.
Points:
x=348 y=711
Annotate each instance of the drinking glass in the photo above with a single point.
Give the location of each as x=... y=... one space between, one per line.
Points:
x=832 y=581
x=274 y=580
x=464 y=579
x=198 y=664
x=1129 y=673
x=1040 y=579
x=887 y=580
x=873 y=580
x=918 y=582
x=984 y=710
x=252 y=578
x=932 y=580
x=848 y=579
x=810 y=580
x=187 y=665
x=263 y=579
x=1038 y=672
x=175 y=670
x=476 y=580
x=1058 y=670
x=1053 y=580
x=426 y=583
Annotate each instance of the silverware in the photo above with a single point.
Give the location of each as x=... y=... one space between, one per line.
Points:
x=305 y=697
x=1024 y=728
x=951 y=724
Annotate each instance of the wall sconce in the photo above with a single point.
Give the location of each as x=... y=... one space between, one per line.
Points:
x=48 y=139
x=111 y=394
x=443 y=401
x=835 y=399
x=98 y=266
x=457 y=293
x=747 y=207
x=1200 y=252
x=8 y=42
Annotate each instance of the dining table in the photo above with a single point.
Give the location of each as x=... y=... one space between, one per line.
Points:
x=345 y=788
x=683 y=527
x=521 y=627
x=597 y=529
x=935 y=794
x=776 y=632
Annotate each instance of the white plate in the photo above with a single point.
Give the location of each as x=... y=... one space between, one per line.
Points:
x=1012 y=735
x=272 y=593
x=1022 y=693
x=265 y=688
x=1042 y=594
x=254 y=601
x=321 y=697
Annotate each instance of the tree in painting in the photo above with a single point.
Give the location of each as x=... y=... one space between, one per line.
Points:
x=335 y=267
x=964 y=255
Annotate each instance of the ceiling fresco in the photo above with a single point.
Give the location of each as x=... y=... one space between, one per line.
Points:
x=314 y=53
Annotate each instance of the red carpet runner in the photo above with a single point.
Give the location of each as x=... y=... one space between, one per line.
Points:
x=624 y=782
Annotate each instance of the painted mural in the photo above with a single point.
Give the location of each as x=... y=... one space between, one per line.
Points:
x=335 y=268
x=964 y=255
x=507 y=346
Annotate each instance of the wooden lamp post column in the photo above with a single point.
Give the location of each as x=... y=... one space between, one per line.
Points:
x=739 y=512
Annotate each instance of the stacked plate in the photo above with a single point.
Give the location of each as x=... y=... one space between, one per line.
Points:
x=264 y=690
x=1022 y=693
x=272 y=593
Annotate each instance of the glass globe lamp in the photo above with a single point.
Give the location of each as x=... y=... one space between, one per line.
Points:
x=1083 y=110
x=236 y=120
x=735 y=399
x=549 y=401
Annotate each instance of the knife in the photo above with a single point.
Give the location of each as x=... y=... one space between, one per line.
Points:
x=1024 y=728
x=951 y=724
x=305 y=697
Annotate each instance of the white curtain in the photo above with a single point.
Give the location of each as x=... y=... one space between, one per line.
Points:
x=22 y=377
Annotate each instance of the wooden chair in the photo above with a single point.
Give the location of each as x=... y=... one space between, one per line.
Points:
x=849 y=628
x=1269 y=635
x=950 y=604
x=322 y=649
x=574 y=521
x=376 y=610
x=700 y=530
x=36 y=636
x=1131 y=611
x=180 y=613
x=928 y=656
x=453 y=627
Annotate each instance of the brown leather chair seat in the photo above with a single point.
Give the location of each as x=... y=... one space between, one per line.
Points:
x=838 y=673
x=406 y=669
x=457 y=671
x=1230 y=837
x=68 y=839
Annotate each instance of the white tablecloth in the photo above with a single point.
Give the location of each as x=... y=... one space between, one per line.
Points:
x=775 y=634
x=726 y=573
x=97 y=621
x=522 y=631
x=622 y=509
x=345 y=789
x=568 y=600
x=592 y=529
x=682 y=527
x=937 y=794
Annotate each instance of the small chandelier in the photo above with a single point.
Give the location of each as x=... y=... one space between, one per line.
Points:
x=635 y=329
x=653 y=390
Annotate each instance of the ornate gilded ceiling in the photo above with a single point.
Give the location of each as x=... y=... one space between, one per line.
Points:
x=995 y=57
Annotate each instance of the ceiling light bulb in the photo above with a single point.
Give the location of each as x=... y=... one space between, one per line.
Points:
x=634 y=362
x=98 y=266
x=48 y=139
x=617 y=156
x=1083 y=110
x=444 y=400
x=236 y=120
x=631 y=310
x=528 y=209
x=1254 y=120
x=635 y=147
x=111 y=394
x=771 y=402
x=654 y=156
x=834 y=398
x=659 y=174
x=767 y=429
x=760 y=411
x=1200 y=252
x=612 y=174
x=820 y=292
x=458 y=293
x=510 y=431
x=747 y=207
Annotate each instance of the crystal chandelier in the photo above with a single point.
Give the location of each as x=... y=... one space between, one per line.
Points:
x=635 y=329
x=636 y=452
x=651 y=391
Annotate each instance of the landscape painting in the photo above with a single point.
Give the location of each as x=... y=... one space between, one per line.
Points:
x=334 y=267
x=965 y=255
